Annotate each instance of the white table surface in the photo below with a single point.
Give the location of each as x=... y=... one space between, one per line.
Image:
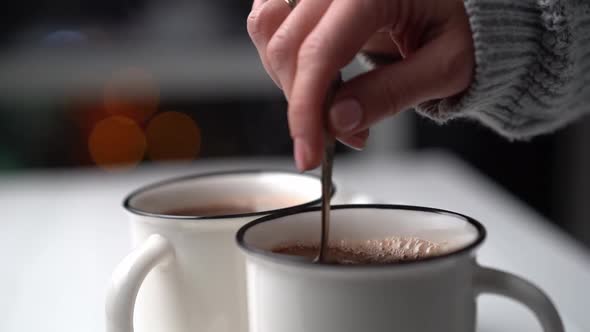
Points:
x=63 y=232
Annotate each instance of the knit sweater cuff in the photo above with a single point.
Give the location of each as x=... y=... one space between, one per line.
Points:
x=507 y=36
x=521 y=49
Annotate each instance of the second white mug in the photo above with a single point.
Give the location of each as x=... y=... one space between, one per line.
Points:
x=293 y=294
x=186 y=273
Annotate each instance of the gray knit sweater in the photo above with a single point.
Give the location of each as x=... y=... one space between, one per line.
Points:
x=532 y=71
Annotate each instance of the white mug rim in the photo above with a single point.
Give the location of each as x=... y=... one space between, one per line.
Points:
x=302 y=262
x=294 y=208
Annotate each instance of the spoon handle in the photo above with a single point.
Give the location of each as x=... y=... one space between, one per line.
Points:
x=327 y=165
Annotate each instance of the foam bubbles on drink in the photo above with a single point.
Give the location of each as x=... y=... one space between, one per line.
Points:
x=382 y=251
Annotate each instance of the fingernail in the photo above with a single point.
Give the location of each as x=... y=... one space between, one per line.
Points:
x=346 y=115
x=302 y=154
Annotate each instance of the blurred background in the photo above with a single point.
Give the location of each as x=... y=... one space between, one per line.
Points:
x=105 y=84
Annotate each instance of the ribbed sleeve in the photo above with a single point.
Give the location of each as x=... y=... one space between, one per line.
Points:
x=532 y=71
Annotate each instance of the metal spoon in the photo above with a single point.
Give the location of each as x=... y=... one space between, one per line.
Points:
x=327 y=165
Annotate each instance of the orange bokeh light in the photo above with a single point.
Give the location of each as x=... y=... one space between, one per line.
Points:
x=133 y=93
x=173 y=136
x=117 y=142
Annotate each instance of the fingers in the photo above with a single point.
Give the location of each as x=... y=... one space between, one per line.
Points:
x=263 y=22
x=368 y=98
x=332 y=44
x=257 y=3
x=357 y=141
x=282 y=49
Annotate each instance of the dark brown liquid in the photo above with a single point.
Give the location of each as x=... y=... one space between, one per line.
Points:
x=241 y=205
x=211 y=210
x=386 y=251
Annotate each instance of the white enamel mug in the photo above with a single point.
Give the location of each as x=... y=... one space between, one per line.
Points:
x=436 y=294
x=185 y=273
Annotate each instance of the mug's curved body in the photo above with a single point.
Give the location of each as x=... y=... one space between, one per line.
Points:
x=437 y=293
x=436 y=297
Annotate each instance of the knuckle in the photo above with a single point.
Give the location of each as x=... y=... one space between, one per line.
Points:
x=254 y=24
x=278 y=49
x=312 y=50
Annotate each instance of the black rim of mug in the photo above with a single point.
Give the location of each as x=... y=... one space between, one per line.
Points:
x=300 y=207
x=293 y=260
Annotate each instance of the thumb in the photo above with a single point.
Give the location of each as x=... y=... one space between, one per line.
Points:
x=439 y=69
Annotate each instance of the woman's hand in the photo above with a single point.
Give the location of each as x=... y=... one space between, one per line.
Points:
x=302 y=50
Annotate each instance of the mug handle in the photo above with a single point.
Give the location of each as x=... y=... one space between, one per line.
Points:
x=494 y=281
x=127 y=279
